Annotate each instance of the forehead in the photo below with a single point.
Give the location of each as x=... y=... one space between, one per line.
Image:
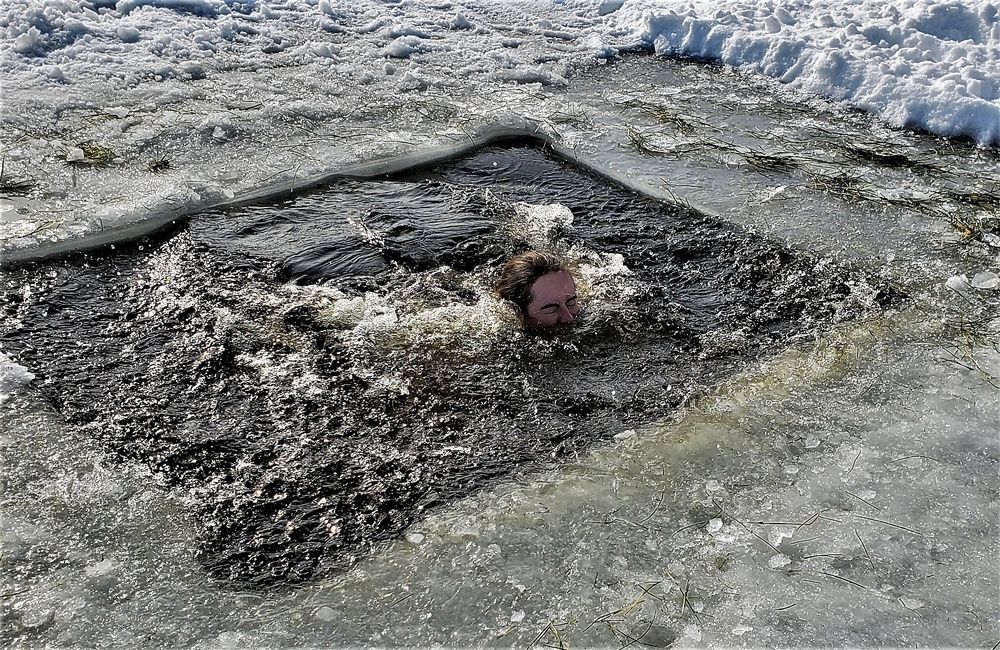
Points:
x=558 y=284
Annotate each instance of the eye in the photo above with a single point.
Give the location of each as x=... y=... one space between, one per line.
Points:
x=571 y=302
x=549 y=309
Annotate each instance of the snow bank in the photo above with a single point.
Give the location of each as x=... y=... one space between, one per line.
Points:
x=922 y=64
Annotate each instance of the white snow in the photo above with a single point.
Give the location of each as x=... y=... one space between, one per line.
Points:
x=920 y=63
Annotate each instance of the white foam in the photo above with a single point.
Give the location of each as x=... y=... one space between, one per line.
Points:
x=539 y=225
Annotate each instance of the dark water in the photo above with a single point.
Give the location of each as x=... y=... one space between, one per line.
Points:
x=318 y=373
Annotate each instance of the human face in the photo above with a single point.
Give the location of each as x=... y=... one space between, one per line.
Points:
x=553 y=301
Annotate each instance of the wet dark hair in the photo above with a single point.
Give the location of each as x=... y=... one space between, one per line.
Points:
x=521 y=271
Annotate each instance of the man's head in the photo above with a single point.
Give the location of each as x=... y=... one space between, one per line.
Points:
x=542 y=288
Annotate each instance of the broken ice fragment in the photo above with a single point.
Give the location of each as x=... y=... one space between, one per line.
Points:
x=99 y=568
x=37 y=620
x=986 y=280
x=12 y=377
x=778 y=561
x=625 y=435
x=958 y=282
x=776 y=535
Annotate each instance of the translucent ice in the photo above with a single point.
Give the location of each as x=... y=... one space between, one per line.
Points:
x=958 y=282
x=986 y=280
x=12 y=377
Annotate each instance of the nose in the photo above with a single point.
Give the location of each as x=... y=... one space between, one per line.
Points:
x=565 y=316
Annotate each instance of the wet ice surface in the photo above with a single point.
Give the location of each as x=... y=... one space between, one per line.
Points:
x=886 y=429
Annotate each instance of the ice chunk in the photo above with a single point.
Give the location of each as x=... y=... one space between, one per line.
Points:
x=609 y=7
x=127 y=34
x=778 y=534
x=958 y=282
x=986 y=280
x=715 y=525
x=625 y=435
x=778 y=561
x=326 y=613
x=99 y=568
x=414 y=538
x=27 y=42
x=538 y=225
x=517 y=616
x=692 y=634
x=12 y=377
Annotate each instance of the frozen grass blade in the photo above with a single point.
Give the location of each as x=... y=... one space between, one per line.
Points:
x=847 y=580
x=867 y=503
x=868 y=556
x=889 y=523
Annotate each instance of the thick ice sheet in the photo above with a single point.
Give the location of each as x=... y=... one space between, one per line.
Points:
x=919 y=63
x=149 y=110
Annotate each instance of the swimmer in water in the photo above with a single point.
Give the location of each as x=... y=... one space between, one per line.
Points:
x=540 y=285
